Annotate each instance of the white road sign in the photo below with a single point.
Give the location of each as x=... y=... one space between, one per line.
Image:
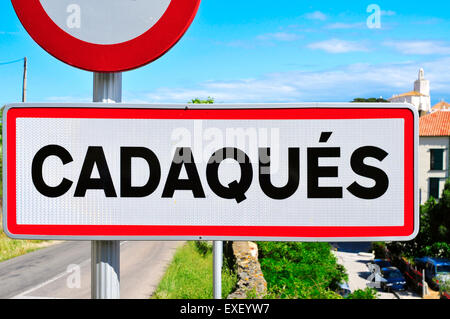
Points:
x=267 y=172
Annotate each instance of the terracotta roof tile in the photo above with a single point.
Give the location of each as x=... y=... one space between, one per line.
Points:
x=435 y=124
x=412 y=93
x=441 y=106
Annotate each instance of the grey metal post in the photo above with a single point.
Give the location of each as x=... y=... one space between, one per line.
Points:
x=105 y=269
x=217 y=269
x=108 y=87
x=24 y=83
x=424 y=285
x=105 y=255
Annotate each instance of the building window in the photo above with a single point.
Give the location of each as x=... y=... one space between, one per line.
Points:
x=434 y=187
x=437 y=159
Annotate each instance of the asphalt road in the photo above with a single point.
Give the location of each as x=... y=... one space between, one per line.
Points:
x=354 y=257
x=64 y=270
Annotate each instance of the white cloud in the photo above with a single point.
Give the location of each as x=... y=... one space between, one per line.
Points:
x=343 y=84
x=388 y=13
x=337 y=46
x=340 y=25
x=419 y=47
x=316 y=15
x=262 y=39
x=69 y=99
x=279 y=36
x=9 y=33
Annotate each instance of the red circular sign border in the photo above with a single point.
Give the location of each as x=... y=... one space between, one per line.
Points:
x=119 y=57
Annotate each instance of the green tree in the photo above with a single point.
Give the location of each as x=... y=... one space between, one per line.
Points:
x=209 y=100
x=369 y=100
x=433 y=239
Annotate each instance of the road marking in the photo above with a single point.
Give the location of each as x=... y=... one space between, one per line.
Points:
x=45 y=283
x=59 y=276
x=34 y=297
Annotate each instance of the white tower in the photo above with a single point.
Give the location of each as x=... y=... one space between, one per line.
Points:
x=420 y=97
x=422 y=86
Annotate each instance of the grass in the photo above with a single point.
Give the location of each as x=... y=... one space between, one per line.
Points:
x=10 y=248
x=189 y=276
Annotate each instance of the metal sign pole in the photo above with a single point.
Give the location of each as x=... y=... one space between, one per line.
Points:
x=105 y=255
x=217 y=269
x=24 y=85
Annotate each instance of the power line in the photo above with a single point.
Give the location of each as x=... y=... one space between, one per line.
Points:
x=24 y=84
x=11 y=62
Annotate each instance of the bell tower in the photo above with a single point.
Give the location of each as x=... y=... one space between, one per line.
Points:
x=422 y=86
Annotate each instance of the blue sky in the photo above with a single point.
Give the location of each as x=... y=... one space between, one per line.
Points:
x=261 y=51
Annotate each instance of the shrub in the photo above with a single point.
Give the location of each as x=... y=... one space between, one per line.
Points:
x=368 y=293
x=380 y=249
x=438 y=250
x=444 y=286
x=300 y=270
x=433 y=239
x=203 y=247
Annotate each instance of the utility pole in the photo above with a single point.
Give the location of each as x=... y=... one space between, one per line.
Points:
x=24 y=85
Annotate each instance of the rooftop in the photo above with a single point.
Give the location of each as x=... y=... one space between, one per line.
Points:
x=412 y=93
x=435 y=124
x=441 y=106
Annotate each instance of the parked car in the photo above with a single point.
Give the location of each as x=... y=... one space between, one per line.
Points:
x=381 y=263
x=436 y=269
x=344 y=289
x=394 y=280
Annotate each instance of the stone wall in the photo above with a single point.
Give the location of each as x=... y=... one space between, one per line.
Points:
x=251 y=282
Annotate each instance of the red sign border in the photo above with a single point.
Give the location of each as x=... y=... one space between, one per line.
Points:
x=293 y=232
x=107 y=58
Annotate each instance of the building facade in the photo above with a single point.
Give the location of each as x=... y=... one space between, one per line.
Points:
x=434 y=154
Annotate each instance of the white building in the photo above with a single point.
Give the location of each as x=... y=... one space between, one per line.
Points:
x=434 y=155
x=440 y=106
x=434 y=140
x=420 y=97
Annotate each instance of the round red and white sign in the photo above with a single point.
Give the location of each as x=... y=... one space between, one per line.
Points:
x=105 y=35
